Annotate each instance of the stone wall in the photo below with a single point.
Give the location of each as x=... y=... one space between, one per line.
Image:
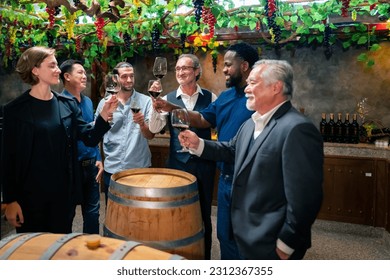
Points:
x=321 y=85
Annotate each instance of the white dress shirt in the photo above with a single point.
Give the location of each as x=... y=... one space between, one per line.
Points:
x=157 y=120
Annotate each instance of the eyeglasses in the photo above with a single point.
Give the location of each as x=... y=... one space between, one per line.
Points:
x=184 y=68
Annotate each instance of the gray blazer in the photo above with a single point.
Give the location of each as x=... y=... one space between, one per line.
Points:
x=277 y=182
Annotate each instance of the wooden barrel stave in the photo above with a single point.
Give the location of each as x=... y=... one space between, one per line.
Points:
x=76 y=249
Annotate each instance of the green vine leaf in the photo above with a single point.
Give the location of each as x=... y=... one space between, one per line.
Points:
x=362 y=57
x=362 y=40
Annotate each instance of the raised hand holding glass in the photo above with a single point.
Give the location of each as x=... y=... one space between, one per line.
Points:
x=181 y=121
x=155 y=88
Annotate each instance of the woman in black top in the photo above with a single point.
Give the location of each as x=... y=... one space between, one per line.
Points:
x=41 y=129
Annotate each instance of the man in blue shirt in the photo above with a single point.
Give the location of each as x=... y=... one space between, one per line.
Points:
x=226 y=114
x=74 y=78
x=125 y=145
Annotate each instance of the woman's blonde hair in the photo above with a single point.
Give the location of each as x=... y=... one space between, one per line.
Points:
x=29 y=59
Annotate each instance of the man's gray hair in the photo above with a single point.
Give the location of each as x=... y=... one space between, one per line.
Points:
x=278 y=70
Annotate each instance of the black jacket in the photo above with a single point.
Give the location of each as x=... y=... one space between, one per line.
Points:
x=18 y=136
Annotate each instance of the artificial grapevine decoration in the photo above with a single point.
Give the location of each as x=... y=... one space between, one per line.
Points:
x=155 y=37
x=79 y=48
x=274 y=29
x=198 y=5
x=183 y=37
x=51 y=12
x=127 y=40
x=209 y=19
x=328 y=47
x=69 y=23
x=99 y=23
x=214 y=57
x=345 y=7
x=354 y=15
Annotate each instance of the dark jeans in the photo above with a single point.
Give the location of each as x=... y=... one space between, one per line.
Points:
x=106 y=181
x=91 y=198
x=228 y=246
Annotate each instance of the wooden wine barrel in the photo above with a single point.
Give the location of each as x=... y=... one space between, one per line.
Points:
x=74 y=246
x=158 y=207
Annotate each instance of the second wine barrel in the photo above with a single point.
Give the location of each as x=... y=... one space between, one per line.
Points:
x=74 y=246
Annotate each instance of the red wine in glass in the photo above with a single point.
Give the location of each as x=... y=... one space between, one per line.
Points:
x=159 y=76
x=181 y=121
x=135 y=109
x=181 y=127
x=155 y=94
x=154 y=88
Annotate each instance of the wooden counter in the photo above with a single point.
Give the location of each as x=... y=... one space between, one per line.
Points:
x=356 y=181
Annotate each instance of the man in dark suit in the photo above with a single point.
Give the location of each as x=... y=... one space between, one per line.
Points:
x=277 y=181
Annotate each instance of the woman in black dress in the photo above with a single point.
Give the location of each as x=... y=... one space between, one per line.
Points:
x=41 y=129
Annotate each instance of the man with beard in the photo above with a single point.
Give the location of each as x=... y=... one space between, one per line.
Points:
x=74 y=78
x=278 y=174
x=226 y=114
x=125 y=145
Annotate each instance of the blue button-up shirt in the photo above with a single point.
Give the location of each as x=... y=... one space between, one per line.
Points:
x=124 y=145
x=86 y=108
x=227 y=114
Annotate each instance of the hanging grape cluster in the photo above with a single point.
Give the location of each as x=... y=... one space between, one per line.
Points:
x=79 y=48
x=139 y=11
x=274 y=29
x=209 y=19
x=215 y=61
x=127 y=40
x=354 y=15
x=70 y=20
x=99 y=23
x=344 y=8
x=51 y=12
x=155 y=37
x=57 y=10
x=50 y=40
x=183 y=37
x=258 y=26
x=198 y=5
x=328 y=47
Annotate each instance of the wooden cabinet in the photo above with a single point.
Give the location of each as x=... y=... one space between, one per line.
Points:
x=159 y=155
x=356 y=182
x=355 y=191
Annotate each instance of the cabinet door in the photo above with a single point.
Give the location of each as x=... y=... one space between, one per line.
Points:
x=349 y=188
x=159 y=156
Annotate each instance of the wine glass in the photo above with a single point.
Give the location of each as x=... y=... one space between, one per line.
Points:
x=112 y=85
x=160 y=67
x=134 y=106
x=154 y=88
x=181 y=121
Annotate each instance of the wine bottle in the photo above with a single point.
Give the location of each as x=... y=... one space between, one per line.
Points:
x=331 y=125
x=324 y=127
x=338 y=129
x=346 y=129
x=355 y=130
